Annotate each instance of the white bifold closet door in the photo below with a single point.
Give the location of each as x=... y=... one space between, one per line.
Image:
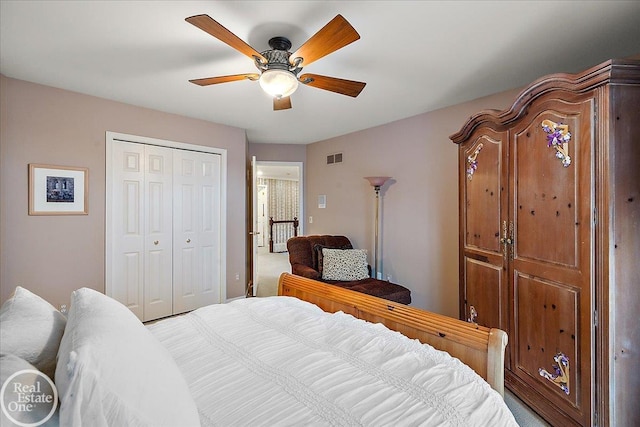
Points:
x=196 y=230
x=165 y=229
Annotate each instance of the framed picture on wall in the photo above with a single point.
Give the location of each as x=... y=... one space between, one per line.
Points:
x=58 y=190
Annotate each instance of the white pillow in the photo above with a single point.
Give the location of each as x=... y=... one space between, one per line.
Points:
x=113 y=371
x=344 y=264
x=31 y=329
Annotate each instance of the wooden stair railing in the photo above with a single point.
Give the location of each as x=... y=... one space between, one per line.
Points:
x=295 y=224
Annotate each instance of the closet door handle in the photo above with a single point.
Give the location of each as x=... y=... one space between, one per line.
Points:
x=188 y=240
x=155 y=242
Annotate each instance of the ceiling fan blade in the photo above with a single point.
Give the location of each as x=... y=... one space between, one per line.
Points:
x=207 y=24
x=335 y=35
x=224 y=79
x=333 y=84
x=281 y=103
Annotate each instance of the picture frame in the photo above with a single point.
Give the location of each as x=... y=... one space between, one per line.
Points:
x=58 y=190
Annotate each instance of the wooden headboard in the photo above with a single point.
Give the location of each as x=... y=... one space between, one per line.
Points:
x=479 y=347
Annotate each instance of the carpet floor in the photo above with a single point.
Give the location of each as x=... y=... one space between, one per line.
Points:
x=270 y=266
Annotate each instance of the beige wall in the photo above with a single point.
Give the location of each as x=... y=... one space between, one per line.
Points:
x=53 y=255
x=419 y=206
x=278 y=152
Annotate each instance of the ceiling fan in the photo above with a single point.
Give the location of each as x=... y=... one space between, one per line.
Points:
x=279 y=68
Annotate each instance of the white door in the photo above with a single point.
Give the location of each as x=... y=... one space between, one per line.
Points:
x=158 y=205
x=140 y=229
x=197 y=243
x=126 y=232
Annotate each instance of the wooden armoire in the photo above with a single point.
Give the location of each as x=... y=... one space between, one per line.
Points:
x=550 y=241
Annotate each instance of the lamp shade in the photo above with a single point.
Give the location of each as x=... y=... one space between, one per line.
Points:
x=278 y=83
x=377 y=181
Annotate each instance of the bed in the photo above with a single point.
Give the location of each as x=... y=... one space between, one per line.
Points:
x=305 y=357
x=479 y=347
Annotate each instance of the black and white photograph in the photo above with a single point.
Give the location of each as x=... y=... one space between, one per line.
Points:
x=60 y=189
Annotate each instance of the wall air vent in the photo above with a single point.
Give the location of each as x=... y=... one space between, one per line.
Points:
x=334 y=158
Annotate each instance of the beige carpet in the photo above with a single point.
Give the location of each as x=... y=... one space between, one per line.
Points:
x=524 y=416
x=270 y=266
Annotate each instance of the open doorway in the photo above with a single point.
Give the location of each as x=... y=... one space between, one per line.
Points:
x=279 y=211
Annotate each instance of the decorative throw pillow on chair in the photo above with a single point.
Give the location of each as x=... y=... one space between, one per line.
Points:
x=344 y=264
x=317 y=254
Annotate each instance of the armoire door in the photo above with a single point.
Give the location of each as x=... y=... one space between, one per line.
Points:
x=196 y=259
x=483 y=200
x=551 y=205
x=141 y=229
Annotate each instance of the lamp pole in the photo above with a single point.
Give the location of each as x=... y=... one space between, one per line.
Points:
x=377 y=182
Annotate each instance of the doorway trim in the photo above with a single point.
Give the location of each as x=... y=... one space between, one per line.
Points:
x=301 y=201
x=300 y=166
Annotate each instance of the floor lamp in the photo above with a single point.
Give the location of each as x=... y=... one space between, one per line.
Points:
x=377 y=182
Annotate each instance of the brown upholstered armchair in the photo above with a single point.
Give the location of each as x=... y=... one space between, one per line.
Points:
x=305 y=256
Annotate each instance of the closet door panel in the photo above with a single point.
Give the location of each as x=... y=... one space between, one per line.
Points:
x=196 y=223
x=185 y=277
x=158 y=295
x=211 y=223
x=126 y=218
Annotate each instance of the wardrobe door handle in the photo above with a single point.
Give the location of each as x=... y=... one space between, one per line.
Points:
x=511 y=240
x=507 y=240
x=188 y=240
x=155 y=242
x=504 y=240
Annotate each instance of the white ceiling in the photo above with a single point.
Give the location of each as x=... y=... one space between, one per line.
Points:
x=415 y=56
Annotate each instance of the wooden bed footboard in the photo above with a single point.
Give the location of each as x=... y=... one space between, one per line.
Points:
x=479 y=347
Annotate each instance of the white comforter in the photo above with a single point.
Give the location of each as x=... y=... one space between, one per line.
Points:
x=282 y=361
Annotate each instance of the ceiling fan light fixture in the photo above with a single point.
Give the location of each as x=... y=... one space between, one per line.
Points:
x=278 y=83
